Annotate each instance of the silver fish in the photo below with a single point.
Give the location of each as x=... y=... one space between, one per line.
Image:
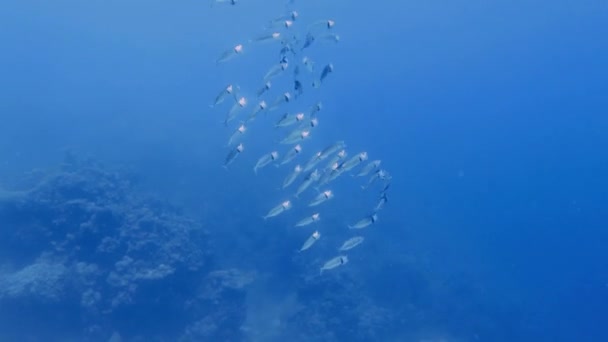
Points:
x=310 y=38
x=321 y=25
x=266 y=87
x=229 y=90
x=233 y=154
x=291 y=154
x=312 y=162
x=230 y=2
x=316 y=109
x=354 y=161
x=299 y=136
x=297 y=88
x=275 y=70
x=287 y=23
x=381 y=202
x=333 y=263
x=328 y=69
x=237 y=134
x=311 y=178
x=308 y=220
x=259 y=108
x=291 y=16
x=336 y=159
x=273 y=36
x=374 y=164
x=331 y=149
x=265 y=160
x=288 y=120
x=229 y=54
x=322 y=197
x=351 y=243
x=309 y=64
x=310 y=241
x=314 y=122
x=235 y=109
x=378 y=175
x=283 y=98
x=329 y=36
x=292 y=176
x=278 y=209
x=330 y=174
x=364 y=222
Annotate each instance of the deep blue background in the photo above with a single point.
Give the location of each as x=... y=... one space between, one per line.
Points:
x=491 y=117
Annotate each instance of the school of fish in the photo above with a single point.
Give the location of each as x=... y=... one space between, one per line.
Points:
x=292 y=37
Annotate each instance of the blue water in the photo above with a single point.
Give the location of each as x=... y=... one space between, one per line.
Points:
x=491 y=118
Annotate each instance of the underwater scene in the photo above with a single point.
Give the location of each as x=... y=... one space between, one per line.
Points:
x=303 y=170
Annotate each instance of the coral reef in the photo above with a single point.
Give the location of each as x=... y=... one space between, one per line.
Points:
x=82 y=252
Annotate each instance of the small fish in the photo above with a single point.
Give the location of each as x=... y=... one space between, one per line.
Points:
x=378 y=175
x=263 y=89
x=333 y=263
x=273 y=36
x=285 y=49
x=374 y=164
x=275 y=71
x=314 y=122
x=233 y=154
x=308 y=220
x=311 y=178
x=330 y=174
x=231 y=2
x=354 y=161
x=310 y=241
x=291 y=154
x=328 y=69
x=322 y=197
x=235 y=109
x=292 y=176
x=386 y=187
x=310 y=38
x=300 y=136
x=317 y=107
x=331 y=149
x=265 y=160
x=283 y=98
x=330 y=36
x=312 y=162
x=278 y=209
x=381 y=202
x=287 y=23
x=288 y=120
x=351 y=243
x=309 y=64
x=291 y=16
x=229 y=90
x=364 y=222
x=321 y=25
x=296 y=71
x=237 y=134
x=297 y=88
x=336 y=159
x=229 y=54
x=259 y=108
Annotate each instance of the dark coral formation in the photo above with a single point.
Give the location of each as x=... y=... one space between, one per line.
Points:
x=83 y=254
